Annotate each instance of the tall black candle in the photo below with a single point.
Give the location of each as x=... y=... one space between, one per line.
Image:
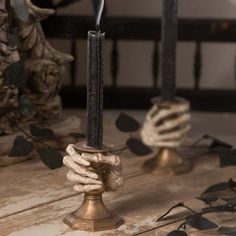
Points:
x=168 y=51
x=95 y=85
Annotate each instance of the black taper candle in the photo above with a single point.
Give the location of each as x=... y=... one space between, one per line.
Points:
x=95 y=89
x=168 y=50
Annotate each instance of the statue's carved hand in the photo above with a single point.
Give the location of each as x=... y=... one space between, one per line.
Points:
x=86 y=180
x=166 y=127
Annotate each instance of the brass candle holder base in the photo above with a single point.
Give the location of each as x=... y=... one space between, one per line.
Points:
x=167 y=161
x=93 y=215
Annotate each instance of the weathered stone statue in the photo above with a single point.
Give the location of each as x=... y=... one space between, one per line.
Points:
x=31 y=73
x=30 y=68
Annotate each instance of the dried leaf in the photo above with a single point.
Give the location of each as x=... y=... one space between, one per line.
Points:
x=21 y=147
x=200 y=223
x=221 y=208
x=217 y=187
x=231 y=201
x=177 y=233
x=16 y=74
x=227 y=231
x=126 y=123
x=180 y=204
x=77 y=136
x=217 y=142
x=227 y=156
x=208 y=199
x=44 y=134
x=21 y=9
x=51 y=157
x=138 y=147
x=26 y=107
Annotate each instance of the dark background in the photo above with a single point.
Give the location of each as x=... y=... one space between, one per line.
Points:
x=133 y=28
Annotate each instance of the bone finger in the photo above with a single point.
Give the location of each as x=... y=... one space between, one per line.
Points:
x=91 y=157
x=165 y=113
x=71 y=150
x=144 y=128
x=68 y=161
x=100 y=158
x=181 y=107
x=176 y=134
x=76 y=156
x=97 y=157
x=144 y=136
x=80 y=160
x=158 y=140
x=73 y=177
x=84 y=172
x=161 y=115
x=148 y=136
x=109 y=159
x=171 y=124
x=86 y=188
x=152 y=112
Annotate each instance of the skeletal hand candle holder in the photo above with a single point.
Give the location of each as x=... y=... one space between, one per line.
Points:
x=93 y=172
x=93 y=168
x=166 y=126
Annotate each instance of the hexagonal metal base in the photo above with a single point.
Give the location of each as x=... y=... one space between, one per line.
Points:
x=93 y=216
x=109 y=223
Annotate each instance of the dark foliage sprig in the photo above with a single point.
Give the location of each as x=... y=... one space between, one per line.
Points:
x=198 y=220
x=225 y=151
x=127 y=124
x=16 y=76
x=225 y=192
x=36 y=140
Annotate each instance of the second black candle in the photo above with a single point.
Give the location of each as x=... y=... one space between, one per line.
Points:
x=168 y=54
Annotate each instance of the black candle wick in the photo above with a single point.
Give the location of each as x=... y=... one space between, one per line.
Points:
x=99 y=15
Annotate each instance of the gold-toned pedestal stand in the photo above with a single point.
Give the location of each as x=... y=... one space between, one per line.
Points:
x=168 y=160
x=93 y=215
